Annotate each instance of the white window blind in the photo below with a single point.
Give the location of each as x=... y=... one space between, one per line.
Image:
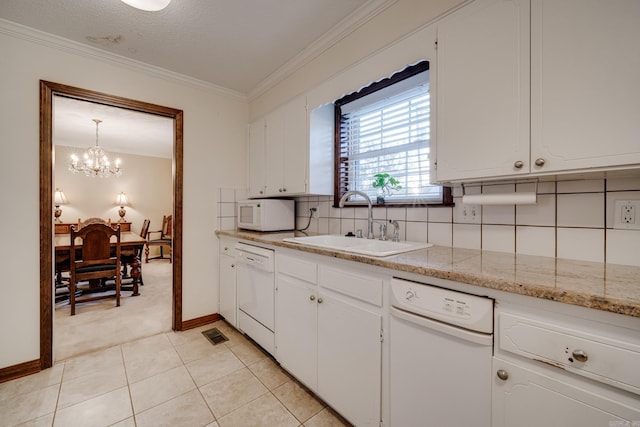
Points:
x=388 y=131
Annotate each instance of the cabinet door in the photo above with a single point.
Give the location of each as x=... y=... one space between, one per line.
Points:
x=257 y=165
x=228 y=301
x=585 y=85
x=349 y=359
x=286 y=149
x=274 y=140
x=483 y=91
x=530 y=398
x=296 y=326
x=295 y=147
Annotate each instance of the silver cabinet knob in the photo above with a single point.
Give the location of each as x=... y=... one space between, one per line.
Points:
x=580 y=355
x=319 y=300
x=502 y=374
x=284 y=190
x=261 y=192
x=233 y=265
x=410 y=295
x=540 y=162
x=519 y=164
x=312 y=298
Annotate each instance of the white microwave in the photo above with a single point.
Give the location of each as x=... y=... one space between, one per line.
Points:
x=267 y=214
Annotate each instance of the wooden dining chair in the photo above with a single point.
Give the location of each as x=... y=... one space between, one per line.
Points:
x=93 y=220
x=95 y=261
x=61 y=283
x=160 y=238
x=131 y=255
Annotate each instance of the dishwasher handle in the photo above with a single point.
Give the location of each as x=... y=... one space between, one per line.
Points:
x=464 y=334
x=256 y=257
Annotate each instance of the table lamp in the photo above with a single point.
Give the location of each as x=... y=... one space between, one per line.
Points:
x=122 y=201
x=58 y=199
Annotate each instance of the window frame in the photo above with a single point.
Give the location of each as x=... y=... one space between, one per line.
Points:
x=339 y=185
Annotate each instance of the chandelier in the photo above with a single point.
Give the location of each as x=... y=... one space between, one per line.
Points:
x=95 y=161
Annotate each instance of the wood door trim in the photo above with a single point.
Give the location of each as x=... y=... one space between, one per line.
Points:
x=47 y=91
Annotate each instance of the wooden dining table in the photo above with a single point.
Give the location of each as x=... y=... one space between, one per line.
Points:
x=128 y=240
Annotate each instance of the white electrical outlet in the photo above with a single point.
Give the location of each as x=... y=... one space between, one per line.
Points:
x=626 y=215
x=469 y=214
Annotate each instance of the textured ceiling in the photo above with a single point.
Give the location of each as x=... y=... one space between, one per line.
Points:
x=239 y=46
x=121 y=130
x=233 y=44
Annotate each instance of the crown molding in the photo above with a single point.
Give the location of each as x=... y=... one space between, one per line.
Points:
x=55 y=42
x=339 y=31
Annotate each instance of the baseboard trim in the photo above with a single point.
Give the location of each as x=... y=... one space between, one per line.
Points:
x=20 y=370
x=200 y=321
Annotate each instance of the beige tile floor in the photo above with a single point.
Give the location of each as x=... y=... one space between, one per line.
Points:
x=160 y=379
x=168 y=379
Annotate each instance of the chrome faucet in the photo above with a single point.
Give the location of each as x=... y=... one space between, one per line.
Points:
x=344 y=198
x=383 y=231
x=396 y=229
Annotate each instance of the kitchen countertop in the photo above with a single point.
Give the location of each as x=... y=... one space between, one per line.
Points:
x=608 y=287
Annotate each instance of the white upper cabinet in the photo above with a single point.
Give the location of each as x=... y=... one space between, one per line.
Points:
x=567 y=103
x=585 y=93
x=286 y=149
x=287 y=157
x=483 y=91
x=257 y=162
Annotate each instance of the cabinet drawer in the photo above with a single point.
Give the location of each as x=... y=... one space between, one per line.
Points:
x=359 y=286
x=598 y=357
x=227 y=247
x=298 y=268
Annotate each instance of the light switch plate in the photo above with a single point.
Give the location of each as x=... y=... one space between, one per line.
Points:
x=469 y=214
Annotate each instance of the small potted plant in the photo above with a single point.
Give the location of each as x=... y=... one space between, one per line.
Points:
x=385 y=184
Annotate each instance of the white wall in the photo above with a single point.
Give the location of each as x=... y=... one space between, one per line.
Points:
x=214 y=156
x=379 y=35
x=147 y=182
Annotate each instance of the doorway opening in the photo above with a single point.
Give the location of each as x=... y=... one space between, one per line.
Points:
x=47 y=92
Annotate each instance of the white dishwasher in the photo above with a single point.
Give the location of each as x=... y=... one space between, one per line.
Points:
x=440 y=356
x=255 y=280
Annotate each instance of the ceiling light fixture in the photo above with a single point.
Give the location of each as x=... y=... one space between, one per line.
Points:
x=148 y=5
x=95 y=161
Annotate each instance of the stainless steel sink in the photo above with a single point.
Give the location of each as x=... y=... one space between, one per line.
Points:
x=372 y=247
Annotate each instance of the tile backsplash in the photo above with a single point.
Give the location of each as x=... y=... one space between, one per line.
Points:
x=571 y=219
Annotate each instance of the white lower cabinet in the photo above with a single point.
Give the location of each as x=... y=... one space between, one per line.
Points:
x=331 y=340
x=349 y=359
x=296 y=328
x=554 y=370
x=228 y=302
x=530 y=396
x=553 y=366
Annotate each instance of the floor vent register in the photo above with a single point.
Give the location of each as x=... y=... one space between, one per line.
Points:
x=215 y=336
